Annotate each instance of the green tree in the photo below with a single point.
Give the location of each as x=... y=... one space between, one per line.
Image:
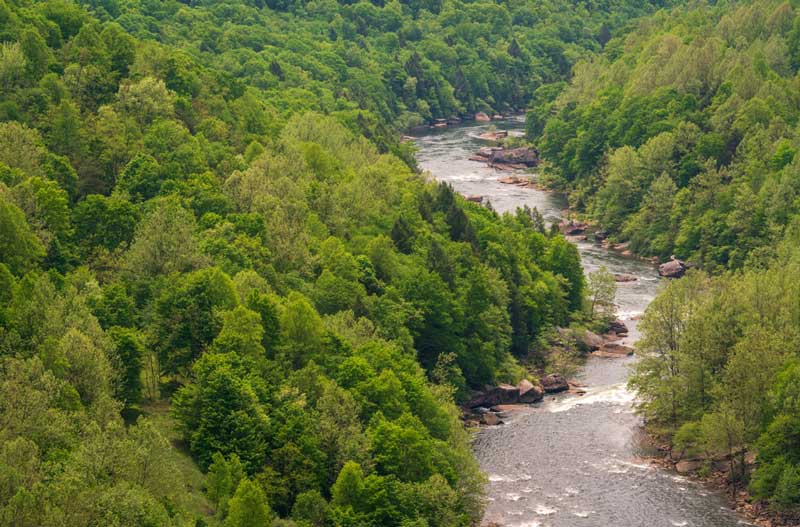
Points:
x=248 y=507
x=20 y=249
x=129 y=351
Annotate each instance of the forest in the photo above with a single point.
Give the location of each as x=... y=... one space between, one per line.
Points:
x=680 y=139
x=227 y=295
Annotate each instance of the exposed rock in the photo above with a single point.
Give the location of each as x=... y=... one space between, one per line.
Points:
x=624 y=278
x=509 y=180
x=554 y=383
x=407 y=139
x=508 y=394
x=497 y=117
x=440 y=125
x=529 y=393
x=494 y=395
x=478 y=158
x=600 y=235
x=521 y=156
x=592 y=341
x=482 y=117
x=621 y=247
x=673 y=269
x=686 y=466
x=613 y=348
x=491 y=419
x=494 y=136
x=618 y=327
x=475 y=198
x=453 y=120
x=572 y=228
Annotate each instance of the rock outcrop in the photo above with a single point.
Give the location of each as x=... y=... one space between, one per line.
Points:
x=529 y=393
x=481 y=117
x=572 y=227
x=673 y=269
x=591 y=341
x=554 y=383
x=515 y=156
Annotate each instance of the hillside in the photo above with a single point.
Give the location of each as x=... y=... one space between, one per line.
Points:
x=227 y=297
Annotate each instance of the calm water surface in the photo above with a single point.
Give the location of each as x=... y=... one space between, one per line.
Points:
x=571 y=460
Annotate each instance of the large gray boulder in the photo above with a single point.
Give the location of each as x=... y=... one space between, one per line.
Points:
x=529 y=392
x=673 y=269
x=516 y=156
x=554 y=383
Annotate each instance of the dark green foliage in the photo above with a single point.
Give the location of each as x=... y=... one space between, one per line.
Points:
x=206 y=217
x=129 y=351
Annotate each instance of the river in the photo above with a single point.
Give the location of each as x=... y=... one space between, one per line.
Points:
x=572 y=460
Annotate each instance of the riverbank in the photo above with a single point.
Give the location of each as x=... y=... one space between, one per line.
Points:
x=573 y=459
x=717 y=479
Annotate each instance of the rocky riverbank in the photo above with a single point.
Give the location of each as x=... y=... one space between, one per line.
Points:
x=714 y=474
x=494 y=403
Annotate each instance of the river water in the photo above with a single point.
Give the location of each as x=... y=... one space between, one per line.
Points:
x=572 y=460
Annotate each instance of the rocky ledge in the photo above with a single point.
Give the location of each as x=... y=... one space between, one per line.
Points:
x=523 y=157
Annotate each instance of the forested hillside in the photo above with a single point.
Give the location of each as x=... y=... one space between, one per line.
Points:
x=225 y=298
x=682 y=139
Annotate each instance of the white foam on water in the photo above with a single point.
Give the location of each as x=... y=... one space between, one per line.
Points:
x=512 y=496
x=582 y=514
x=544 y=510
x=569 y=491
x=614 y=394
x=636 y=465
x=503 y=478
x=679 y=523
x=527 y=524
x=629 y=315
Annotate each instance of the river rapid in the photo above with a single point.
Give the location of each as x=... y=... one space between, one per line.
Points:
x=572 y=460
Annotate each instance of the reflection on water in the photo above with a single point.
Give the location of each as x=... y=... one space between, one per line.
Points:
x=572 y=461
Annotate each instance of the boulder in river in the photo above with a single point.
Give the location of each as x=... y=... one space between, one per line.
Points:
x=591 y=341
x=481 y=117
x=494 y=136
x=673 y=269
x=622 y=277
x=508 y=394
x=529 y=393
x=494 y=395
x=516 y=156
x=554 y=383
x=491 y=419
x=615 y=349
x=572 y=227
x=618 y=327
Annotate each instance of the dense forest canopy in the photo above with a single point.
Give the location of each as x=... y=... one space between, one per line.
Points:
x=226 y=296
x=681 y=138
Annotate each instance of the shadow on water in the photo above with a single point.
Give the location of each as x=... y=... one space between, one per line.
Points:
x=571 y=461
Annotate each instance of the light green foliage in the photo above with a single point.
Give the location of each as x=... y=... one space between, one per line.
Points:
x=20 y=248
x=681 y=136
x=601 y=291
x=719 y=371
x=248 y=507
x=151 y=151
